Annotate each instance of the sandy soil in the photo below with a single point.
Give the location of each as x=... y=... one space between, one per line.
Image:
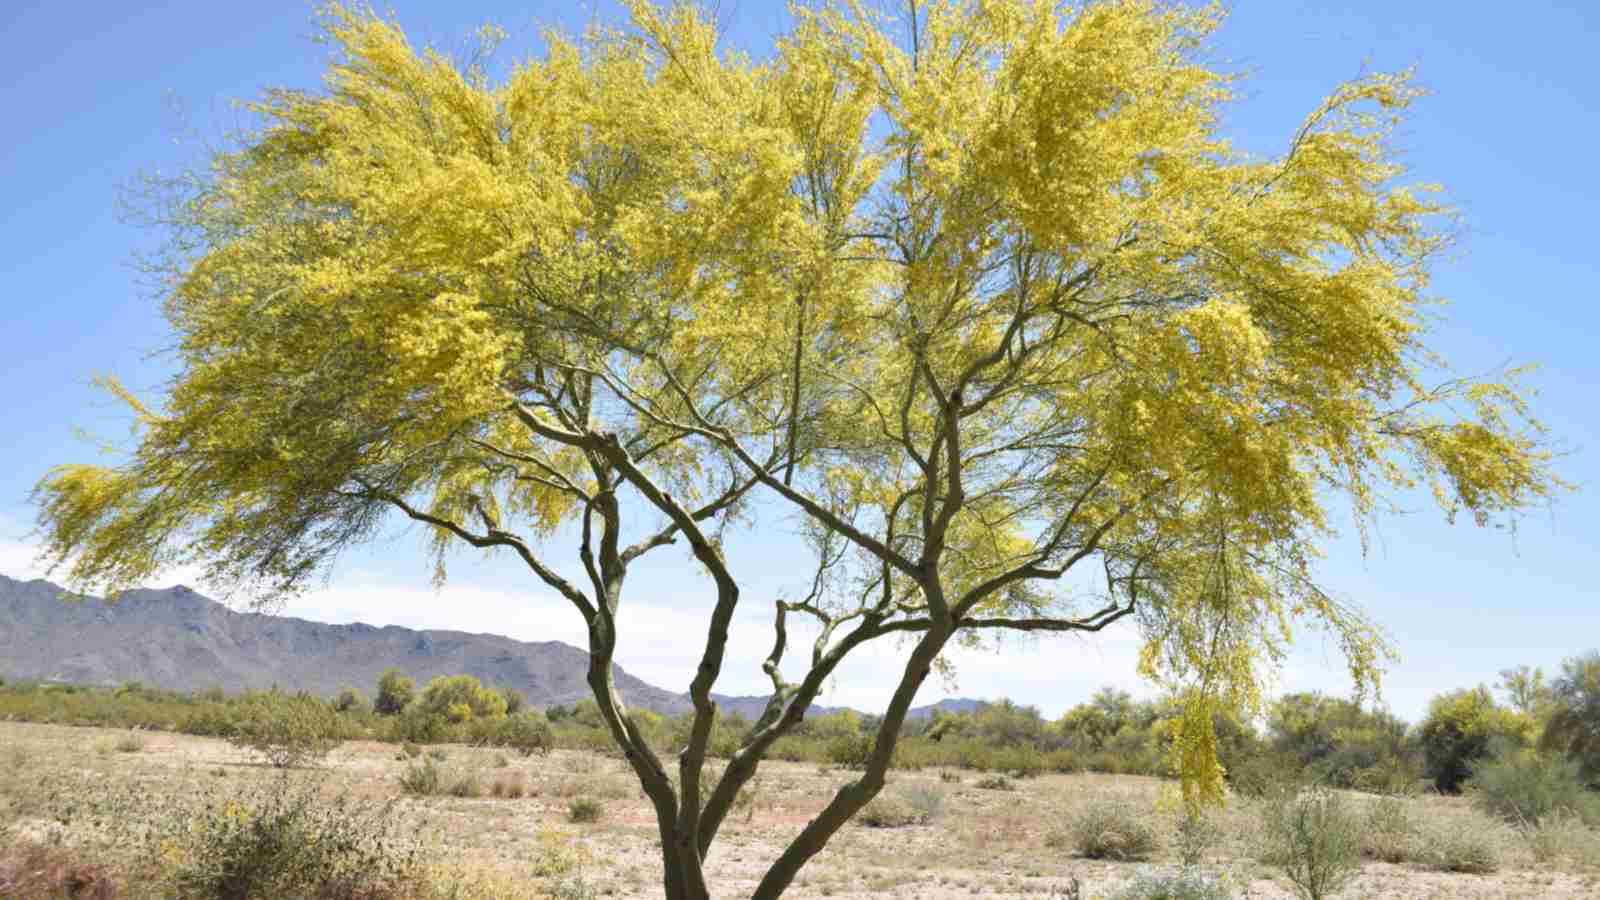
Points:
x=986 y=843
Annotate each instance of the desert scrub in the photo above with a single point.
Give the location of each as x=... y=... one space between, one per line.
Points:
x=422 y=779
x=132 y=742
x=1313 y=838
x=1524 y=788
x=926 y=799
x=585 y=809
x=890 y=811
x=511 y=786
x=277 y=839
x=1185 y=885
x=1391 y=832
x=995 y=783
x=1556 y=836
x=464 y=783
x=1112 y=829
x=1460 y=845
x=287 y=731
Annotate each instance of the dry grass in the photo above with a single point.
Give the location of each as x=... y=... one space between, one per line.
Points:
x=986 y=843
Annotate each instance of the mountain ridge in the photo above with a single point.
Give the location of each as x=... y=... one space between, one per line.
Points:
x=176 y=638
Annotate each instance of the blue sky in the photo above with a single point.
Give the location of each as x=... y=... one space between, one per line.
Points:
x=93 y=94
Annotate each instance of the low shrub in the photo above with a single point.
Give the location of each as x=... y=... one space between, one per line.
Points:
x=926 y=799
x=1525 y=788
x=995 y=783
x=509 y=787
x=1112 y=829
x=1184 y=885
x=1196 y=833
x=1557 y=836
x=1314 y=838
x=850 y=751
x=464 y=783
x=949 y=776
x=1459 y=847
x=585 y=809
x=526 y=733
x=422 y=779
x=1391 y=832
x=132 y=742
x=287 y=731
x=1264 y=774
x=889 y=811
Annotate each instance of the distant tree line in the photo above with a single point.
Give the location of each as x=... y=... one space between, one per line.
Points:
x=1332 y=740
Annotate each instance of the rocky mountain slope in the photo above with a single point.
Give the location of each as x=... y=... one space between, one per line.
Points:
x=178 y=639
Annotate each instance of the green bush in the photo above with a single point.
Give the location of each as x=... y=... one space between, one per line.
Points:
x=282 y=842
x=1197 y=831
x=889 y=811
x=1314 y=838
x=464 y=783
x=422 y=779
x=1391 y=832
x=585 y=809
x=132 y=742
x=1573 y=726
x=850 y=751
x=1526 y=788
x=1265 y=775
x=395 y=691
x=1459 y=847
x=1462 y=728
x=526 y=733
x=995 y=783
x=287 y=731
x=1185 y=885
x=1112 y=829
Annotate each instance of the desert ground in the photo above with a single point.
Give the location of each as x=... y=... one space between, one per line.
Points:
x=982 y=843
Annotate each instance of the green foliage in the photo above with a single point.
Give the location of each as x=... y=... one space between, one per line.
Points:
x=889 y=811
x=422 y=779
x=1184 y=885
x=1459 y=846
x=461 y=698
x=1337 y=740
x=525 y=732
x=132 y=742
x=1526 y=788
x=1461 y=728
x=1314 y=838
x=1196 y=832
x=287 y=730
x=585 y=809
x=514 y=700
x=1265 y=774
x=349 y=700
x=1573 y=723
x=395 y=691
x=850 y=751
x=1112 y=828
x=1391 y=831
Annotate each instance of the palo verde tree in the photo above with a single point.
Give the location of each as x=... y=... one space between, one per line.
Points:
x=980 y=293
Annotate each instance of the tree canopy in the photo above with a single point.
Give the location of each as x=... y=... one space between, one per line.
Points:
x=984 y=293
